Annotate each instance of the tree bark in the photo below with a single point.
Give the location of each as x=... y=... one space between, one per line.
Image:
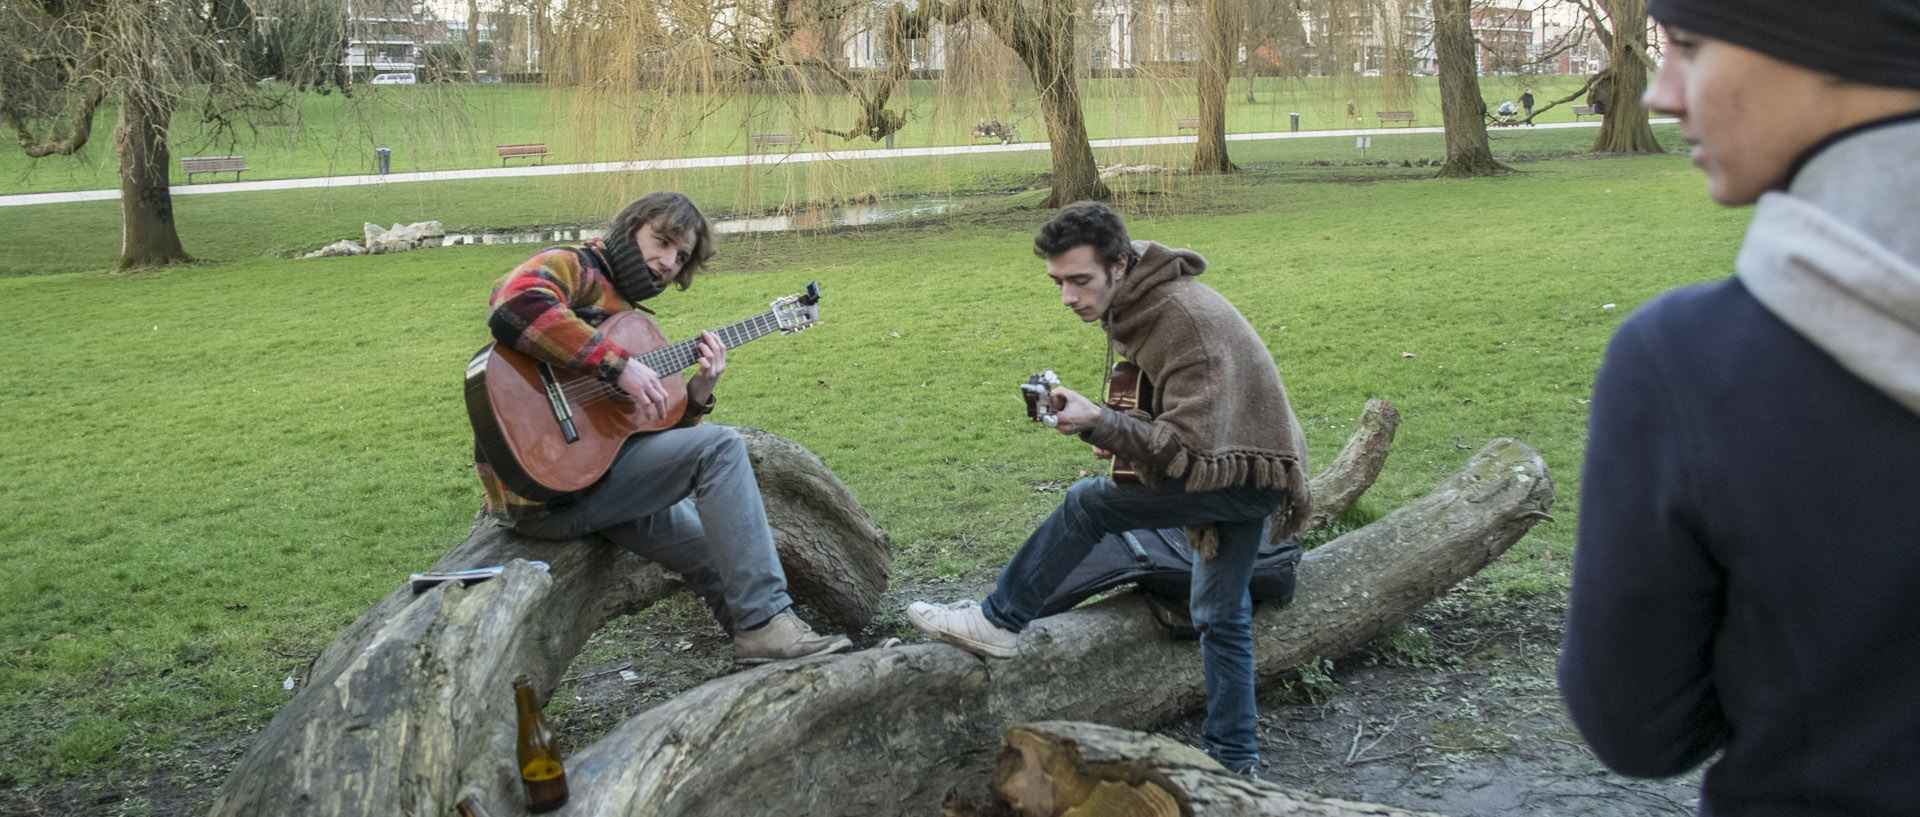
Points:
x=148 y=237
x=1046 y=47
x=1219 y=39
x=409 y=709
x=1061 y=768
x=888 y=731
x=415 y=696
x=1462 y=108
x=1356 y=467
x=1624 y=127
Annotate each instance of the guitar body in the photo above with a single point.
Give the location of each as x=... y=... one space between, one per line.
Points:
x=519 y=433
x=1127 y=388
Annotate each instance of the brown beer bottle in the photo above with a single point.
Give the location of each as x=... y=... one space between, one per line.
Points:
x=540 y=768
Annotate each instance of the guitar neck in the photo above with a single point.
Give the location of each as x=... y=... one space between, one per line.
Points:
x=677 y=357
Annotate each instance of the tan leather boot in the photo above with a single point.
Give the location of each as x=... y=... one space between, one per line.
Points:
x=784 y=636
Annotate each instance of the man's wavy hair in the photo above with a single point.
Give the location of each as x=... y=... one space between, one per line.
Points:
x=1089 y=223
x=671 y=213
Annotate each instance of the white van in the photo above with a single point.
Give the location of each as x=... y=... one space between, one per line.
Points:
x=393 y=79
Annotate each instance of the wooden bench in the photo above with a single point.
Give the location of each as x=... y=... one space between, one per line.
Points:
x=531 y=150
x=213 y=164
x=1191 y=123
x=1394 y=116
x=1582 y=110
x=762 y=141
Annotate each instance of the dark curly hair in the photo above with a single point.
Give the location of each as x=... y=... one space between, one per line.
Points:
x=675 y=214
x=1089 y=223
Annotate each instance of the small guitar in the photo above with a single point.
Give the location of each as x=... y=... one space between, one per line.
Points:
x=548 y=432
x=1126 y=387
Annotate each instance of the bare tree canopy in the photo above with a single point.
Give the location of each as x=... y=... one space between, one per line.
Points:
x=65 y=59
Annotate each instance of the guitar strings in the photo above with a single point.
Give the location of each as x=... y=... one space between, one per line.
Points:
x=588 y=391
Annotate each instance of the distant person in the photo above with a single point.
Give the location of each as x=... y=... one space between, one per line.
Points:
x=1749 y=546
x=1601 y=91
x=1216 y=444
x=1526 y=103
x=1351 y=113
x=684 y=497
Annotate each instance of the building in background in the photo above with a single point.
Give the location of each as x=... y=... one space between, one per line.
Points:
x=383 y=36
x=1504 y=37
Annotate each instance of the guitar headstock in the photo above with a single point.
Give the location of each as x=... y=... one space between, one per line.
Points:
x=1038 y=392
x=799 y=310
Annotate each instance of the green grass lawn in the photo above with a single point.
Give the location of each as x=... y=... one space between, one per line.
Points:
x=442 y=126
x=207 y=471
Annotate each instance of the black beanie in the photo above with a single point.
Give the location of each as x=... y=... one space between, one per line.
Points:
x=1875 y=42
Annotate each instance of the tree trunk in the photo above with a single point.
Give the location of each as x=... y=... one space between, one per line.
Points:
x=888 y=731
x=1045 y=46
x=148 y=237
x=1624 y=128
x=473 y=40
x=1356 y=467
x=1219 y=39
x=1061 y=768
x=409 y=710
x=388 y=719
x=1462 y=109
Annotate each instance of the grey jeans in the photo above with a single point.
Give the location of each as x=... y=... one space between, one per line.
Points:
x=686 y=498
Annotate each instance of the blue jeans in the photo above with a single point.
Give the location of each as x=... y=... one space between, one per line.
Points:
x=1221 y=608
x=687 y=499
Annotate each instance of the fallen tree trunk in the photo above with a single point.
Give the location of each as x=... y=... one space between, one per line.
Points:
x=1356 y=467
x=416 y=694
x=1057 y=768
x=888 y=731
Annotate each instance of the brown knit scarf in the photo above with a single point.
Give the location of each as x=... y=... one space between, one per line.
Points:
x=1217 y=394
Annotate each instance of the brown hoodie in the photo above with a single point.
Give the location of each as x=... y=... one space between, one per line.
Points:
x=1218 y=414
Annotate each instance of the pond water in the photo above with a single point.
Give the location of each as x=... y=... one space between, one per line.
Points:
x=846 y=215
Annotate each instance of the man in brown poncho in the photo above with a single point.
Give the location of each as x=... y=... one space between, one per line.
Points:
x=1215 y=442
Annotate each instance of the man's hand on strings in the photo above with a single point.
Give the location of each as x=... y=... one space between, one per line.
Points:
x=642 y=386
x=713 y=361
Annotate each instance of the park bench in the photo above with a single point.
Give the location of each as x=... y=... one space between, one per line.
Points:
x=762 y=141
x=530 y=150
x=213 y=164
x=1395 y=116
x=1582 y=110
x=1191 y=123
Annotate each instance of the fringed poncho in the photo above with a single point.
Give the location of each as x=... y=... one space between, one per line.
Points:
x=1218 y=413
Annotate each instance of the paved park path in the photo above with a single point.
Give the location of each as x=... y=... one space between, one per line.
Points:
x=703 y=161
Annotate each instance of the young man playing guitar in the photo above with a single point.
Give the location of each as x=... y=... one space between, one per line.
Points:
x=1215 y=443
x=684 y=497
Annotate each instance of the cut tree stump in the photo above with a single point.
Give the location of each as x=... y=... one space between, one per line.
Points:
x=411 y=708
x=1076 y=769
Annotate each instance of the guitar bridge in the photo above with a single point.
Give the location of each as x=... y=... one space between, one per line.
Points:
x=557 y=400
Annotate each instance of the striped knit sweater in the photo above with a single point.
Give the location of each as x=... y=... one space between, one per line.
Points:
x=550 y=308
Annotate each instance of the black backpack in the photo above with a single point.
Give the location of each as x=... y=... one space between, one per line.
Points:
x=1161 y=563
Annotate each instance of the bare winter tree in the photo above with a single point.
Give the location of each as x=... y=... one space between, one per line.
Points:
x=65 y=59
x=1622 y=26
x=1461 y=106
x=1220 y=34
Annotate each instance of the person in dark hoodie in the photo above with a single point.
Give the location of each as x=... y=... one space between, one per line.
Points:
x=1216 y=445
x=1749 y=546
x=684 y=497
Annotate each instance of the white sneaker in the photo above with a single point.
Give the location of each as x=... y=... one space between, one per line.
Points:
x=963 y=625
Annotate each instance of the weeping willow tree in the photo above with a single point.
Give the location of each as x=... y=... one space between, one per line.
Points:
x=1465 y=110
x=1622 y=27
x=65 y=60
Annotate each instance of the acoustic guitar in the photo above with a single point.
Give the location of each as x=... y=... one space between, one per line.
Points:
x=1127 y=386
x=548 y=432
